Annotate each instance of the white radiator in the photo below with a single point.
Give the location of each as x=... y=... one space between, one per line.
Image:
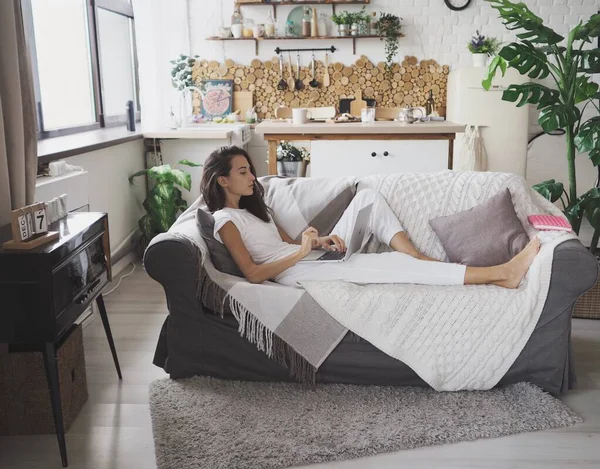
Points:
x=74 y=184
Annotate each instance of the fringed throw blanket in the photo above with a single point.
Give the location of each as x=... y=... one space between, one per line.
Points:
x=454 y=337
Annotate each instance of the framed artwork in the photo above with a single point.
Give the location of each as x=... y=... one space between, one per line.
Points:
x=217 y=98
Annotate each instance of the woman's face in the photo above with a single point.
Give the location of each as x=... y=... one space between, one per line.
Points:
x=240 y=180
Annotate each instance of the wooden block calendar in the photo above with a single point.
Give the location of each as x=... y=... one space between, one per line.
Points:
x=30 y=228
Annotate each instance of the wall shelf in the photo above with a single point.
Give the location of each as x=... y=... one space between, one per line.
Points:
x=300 y=3
x=286 y=38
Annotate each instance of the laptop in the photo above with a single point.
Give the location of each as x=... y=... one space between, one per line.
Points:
x=355 y=244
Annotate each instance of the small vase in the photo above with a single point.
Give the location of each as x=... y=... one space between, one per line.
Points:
x=363 y=28
x=343 y=29
x=354 y=29
x=185 y=108
x=289 y=169
x=479 y=60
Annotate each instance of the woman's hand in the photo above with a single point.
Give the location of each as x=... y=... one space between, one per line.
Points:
x=332 y=243
x=309 y=237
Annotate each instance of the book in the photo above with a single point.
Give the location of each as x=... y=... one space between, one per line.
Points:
x=549 y=223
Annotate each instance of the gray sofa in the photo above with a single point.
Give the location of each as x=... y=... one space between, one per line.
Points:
x=196 y=341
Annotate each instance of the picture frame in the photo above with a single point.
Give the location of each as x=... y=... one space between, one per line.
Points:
x=217 y=98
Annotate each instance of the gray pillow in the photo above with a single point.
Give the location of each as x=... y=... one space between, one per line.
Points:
x=487 y=234
x=219 y=254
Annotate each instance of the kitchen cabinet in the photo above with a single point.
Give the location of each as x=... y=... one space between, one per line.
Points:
x=363 y=157
x=356 y=149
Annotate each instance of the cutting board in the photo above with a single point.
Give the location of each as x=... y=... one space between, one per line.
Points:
x=242 y=100
x=318 y=113
x=357 y=104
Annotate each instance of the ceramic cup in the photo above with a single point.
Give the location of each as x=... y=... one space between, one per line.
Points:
x=300 y=115
x=224 y=31
x=258 y=30
x=236 y=30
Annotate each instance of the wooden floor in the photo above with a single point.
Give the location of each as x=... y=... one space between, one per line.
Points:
x=113 y=430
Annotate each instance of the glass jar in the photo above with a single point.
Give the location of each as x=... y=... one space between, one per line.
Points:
x=237 y=17
x=248 y=30
x=323 y=25
x=251 y=116
x=290 y=29
x=306 y=23
x=270 y=26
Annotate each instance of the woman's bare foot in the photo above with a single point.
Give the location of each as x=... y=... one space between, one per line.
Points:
x=517 y=267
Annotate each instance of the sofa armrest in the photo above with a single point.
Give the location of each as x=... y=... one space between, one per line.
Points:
x=173 y=260
x=574 y=267
x=574 y=271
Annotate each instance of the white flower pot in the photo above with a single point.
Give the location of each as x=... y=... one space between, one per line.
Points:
x=289 y=169
x=479 y=60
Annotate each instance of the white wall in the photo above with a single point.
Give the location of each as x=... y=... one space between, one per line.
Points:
x=432 y=30
x=109 y=189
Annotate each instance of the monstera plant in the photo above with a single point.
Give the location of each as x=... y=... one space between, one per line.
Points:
x=540 y=53
x=163 y=202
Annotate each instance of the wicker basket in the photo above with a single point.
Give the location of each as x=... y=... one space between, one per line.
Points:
x=588 y=304
x=25 y=407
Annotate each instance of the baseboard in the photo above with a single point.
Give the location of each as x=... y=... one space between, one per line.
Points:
x=125 y=247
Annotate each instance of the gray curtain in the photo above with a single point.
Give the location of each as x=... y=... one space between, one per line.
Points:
x=18 y=142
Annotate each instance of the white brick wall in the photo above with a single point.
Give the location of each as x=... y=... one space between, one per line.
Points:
x=432 y=30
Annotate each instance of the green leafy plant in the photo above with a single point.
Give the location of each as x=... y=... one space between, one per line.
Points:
x=538 y=54
x=181 y=73
x=484 y=45
x=361 y=16
x=163 y=202
x=388 y=27
x=288 y=152
x=344 y=17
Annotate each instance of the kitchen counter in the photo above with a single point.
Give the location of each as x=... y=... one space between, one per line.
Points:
x=325 y=136
x=379 y=127
x=201 y=131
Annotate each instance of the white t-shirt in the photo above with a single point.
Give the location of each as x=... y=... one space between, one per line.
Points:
x=260 y=238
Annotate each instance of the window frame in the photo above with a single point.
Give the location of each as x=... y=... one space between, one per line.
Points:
x=122 y=7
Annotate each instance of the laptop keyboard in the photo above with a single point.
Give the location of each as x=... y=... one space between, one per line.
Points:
x=332 y=256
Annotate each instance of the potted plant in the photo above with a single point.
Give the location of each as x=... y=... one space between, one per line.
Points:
x=388 y=27
x=291 y=160
x=362 y=19
x=163 y=202
x=538 y=55
x=181 y=79
x=343 y=21
x=483 y=47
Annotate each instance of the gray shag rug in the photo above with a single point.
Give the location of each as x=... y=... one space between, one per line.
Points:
x=210 y=423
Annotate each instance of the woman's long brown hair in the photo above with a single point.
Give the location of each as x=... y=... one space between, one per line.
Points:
x=218 y=164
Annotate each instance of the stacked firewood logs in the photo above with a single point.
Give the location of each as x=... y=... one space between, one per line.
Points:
x=406 y=84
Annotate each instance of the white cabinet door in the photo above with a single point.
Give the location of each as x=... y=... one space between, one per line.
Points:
x=331 y=158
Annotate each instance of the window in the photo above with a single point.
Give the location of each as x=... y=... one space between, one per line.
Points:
x=84 y=63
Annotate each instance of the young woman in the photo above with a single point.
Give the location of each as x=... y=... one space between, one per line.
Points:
x=263 y=251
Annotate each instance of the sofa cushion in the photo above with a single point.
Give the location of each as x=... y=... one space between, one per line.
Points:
x=298 y=203
x=487 y=234
x=219 y=254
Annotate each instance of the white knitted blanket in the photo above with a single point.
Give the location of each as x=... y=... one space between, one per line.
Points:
x=454 y=337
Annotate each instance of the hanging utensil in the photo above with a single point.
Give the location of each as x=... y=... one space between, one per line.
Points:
x=313 y=83
x=290 y=81
x=282 y=85
x=299 y=84
x=326 y=79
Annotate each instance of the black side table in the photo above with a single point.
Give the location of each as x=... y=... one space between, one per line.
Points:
x=45 y=290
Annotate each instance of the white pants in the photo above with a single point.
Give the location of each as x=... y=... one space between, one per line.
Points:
x=389 y=267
